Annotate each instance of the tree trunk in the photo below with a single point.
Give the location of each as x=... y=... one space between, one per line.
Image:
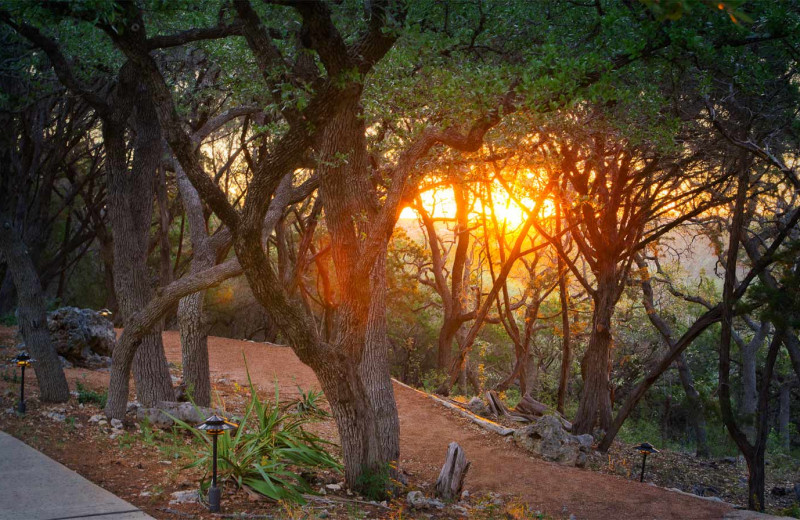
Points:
x=595 y=405
x=696 y=415
x=194 y=349
x=130 y=209
x=194 y=340
x=749 y=404
x=566 y=354
x=785 y=414
x=32 y=317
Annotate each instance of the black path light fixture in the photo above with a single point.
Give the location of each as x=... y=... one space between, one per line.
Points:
x=22 y=360
x=215 y=426
x=645 y=449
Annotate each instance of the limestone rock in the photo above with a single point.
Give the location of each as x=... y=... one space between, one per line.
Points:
x=82 y=336
x=478 y=407
x=159 y=416
x=418 y=501
x=184 y=497
x=547 y=438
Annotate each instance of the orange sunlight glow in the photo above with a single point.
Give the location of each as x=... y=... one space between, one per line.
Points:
x=440 y=204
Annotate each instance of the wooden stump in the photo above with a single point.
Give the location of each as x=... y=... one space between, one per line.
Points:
x=451 y=478
x=496 y=406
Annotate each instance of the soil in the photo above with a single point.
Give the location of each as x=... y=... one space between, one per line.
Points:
x=143 y=473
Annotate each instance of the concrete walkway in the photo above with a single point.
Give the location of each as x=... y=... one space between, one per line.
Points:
x=35 y=487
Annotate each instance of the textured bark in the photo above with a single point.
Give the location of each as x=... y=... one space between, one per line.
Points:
x=194 y=339
x=595 y=405
x=32 y=316
x=131 y=194
x=454 y=471
x=749 y=403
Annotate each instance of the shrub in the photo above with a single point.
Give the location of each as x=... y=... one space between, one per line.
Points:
x=271 y=450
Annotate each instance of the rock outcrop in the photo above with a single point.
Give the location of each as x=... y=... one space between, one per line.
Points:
x=547 y=438
x=82 y=337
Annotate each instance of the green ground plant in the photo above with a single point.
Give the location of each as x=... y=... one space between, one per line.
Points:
x=271 y=450
x=88 y=396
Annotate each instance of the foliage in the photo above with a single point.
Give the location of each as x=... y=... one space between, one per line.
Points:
x=270 y=450
x=90 y=396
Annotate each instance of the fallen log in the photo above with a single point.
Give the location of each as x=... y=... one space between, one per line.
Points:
x=530 y=409
x=451 y=478
x=480 y=421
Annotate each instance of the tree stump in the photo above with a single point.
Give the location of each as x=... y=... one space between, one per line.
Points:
x=451 y=478
x=496 y=406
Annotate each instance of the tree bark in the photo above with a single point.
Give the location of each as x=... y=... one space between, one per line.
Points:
x=130 y=208
x=194 y=339
x=32 y=317
x=566 y=353
x=595 y=405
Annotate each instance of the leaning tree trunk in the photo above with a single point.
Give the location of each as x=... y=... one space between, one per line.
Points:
x=32 y=317
x=595 y=405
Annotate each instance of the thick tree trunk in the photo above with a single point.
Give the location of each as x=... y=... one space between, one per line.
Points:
x=32 y=317
x=130 y=207
x=595 y=405
x=194 y=340
x=194 y=349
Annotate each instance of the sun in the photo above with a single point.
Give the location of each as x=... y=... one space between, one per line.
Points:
x=510 y=212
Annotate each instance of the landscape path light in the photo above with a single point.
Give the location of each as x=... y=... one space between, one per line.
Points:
x=215 y=426
x=22 y=360
x=645 y=449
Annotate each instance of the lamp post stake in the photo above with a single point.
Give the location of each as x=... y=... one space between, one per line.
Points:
x=21 y=408
x=213 y=491
x=644 y=460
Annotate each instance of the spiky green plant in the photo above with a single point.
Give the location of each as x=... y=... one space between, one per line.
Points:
x=270 y=451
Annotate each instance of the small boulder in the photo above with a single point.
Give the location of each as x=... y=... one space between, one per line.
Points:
x=82 y=337
x=478 y=407
x=547 y=438
x=418 y=501
x=184 y=497
x=116 y=424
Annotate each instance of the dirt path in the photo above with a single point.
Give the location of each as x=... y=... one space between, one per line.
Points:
x=426 y=428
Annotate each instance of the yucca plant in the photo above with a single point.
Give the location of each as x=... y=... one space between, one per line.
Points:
x=270 y=450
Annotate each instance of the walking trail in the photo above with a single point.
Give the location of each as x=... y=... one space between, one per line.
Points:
x=426 y=428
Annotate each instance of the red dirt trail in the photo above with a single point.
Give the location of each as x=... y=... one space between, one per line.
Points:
x=426 y=428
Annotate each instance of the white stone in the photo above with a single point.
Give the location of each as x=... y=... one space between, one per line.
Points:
x=116 y=424
x=184 y=497
x=334 y=487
